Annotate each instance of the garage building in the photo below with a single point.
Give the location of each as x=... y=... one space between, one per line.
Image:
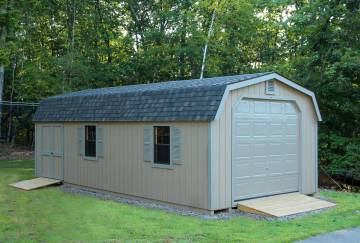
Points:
x=203 y=143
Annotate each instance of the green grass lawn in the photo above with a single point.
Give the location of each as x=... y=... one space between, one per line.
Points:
x=51 y=215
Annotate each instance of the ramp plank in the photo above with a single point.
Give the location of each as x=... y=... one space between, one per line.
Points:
x=283 y=205
x=35 y=183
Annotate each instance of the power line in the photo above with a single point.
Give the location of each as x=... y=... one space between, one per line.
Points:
x=18 y=103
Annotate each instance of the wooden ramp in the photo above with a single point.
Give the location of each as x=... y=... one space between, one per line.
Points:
x=35 y=183
x=283 y=205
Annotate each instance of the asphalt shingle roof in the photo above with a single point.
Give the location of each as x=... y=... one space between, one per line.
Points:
x=183 y=100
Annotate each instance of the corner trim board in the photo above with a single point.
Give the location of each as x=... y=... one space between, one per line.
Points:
x=209 y=168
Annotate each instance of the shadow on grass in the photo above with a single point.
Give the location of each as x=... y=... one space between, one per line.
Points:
x=16 y=164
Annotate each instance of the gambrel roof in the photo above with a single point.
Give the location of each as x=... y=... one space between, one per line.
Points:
x=183 y=100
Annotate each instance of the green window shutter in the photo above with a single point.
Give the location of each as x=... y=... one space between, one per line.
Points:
x=81 y=139
x=148 y=144
x=99 y=141
x=175 y=145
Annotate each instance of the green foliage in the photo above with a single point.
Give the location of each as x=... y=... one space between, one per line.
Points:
x=67 y=45
x=340 y=156
x=328 y=62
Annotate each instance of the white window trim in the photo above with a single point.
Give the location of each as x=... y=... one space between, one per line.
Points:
x=169 y=166
x=267 y=91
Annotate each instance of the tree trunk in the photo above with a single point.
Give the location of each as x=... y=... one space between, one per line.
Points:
x=9 y=135
x=2 y=72
x=71 y=12
x=182 y=48
x=4 y=9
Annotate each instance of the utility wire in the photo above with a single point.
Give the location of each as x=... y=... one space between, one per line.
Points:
x=18 y=103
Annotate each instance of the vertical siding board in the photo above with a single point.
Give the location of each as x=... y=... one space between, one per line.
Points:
x=197 y=145
x=191 y=161
x=188 y=168
x=222 y=162
x=138 y=160
x=195 y=180
x=74 y=172
x=121 y=149
x=215 y=164
x=129 y=168
x=124 y=165
x=203 y=162
x=110 y=163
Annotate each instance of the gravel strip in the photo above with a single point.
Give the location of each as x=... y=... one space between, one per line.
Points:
x=178 y=210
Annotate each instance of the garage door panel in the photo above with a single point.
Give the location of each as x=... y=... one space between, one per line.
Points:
x=290 y=148
x=242 y=189
x=260 y=150
x=291 y=166
x=251 y=188
x=265 y=149
x=244 y=172
x=243 y=129
x=291 y=129
x=281 y=184
x=249 y=167
x=242 y=151
x=275 y=129
x=282 y=168
x=290 y=109
x=241 y=171
x=243 y=107
x=275 y=149
x=260 y=107
x=276 y=108
x=259 y=129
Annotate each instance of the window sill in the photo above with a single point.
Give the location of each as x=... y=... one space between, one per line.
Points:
x=90 y=158
x=163 y=166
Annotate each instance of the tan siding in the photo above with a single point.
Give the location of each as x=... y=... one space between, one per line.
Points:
x=221 y=141
x=123 y=170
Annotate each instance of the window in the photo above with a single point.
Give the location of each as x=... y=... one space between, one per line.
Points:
x=270 y=87
x=90 y=141
x=162 y=145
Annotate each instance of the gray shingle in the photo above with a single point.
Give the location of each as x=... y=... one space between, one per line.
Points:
x=184 y=100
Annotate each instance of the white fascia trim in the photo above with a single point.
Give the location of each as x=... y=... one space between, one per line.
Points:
x=262 y=79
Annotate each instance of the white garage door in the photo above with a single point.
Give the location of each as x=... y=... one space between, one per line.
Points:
x=265 y=148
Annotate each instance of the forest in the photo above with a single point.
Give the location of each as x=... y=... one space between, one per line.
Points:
x=50 y=47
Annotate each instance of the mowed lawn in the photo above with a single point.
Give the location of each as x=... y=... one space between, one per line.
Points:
x=51 y=215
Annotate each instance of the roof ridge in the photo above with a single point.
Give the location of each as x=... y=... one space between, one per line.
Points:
x=159 y=86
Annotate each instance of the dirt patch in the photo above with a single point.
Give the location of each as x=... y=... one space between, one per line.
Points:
x=15 y=153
